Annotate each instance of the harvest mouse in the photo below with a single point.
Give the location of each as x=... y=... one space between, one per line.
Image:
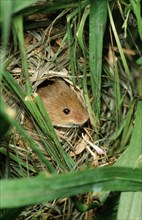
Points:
x=63 y=105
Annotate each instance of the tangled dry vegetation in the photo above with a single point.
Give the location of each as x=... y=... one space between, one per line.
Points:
x=48 y=56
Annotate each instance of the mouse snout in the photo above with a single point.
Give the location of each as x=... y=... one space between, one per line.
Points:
x=81 y=119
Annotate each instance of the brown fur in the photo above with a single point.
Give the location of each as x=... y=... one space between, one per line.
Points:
x=57 y=96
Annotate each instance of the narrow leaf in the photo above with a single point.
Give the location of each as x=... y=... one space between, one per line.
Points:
x=132 y=158
x=98 y=16
x=25 y=191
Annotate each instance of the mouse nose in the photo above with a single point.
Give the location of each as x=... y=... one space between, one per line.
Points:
x=81 y=119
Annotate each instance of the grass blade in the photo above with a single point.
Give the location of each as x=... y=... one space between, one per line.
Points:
x=40 y=115
x=18 y=25
x=119 y=44
x=130 y=205
x=25 y=191
x=131 y=158
x=98 y=16
x=72 y=17
x=136 y=5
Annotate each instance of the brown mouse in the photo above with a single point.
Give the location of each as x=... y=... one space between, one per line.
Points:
x=64 y=106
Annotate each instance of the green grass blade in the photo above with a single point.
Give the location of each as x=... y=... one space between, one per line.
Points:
x=119 y=44
x=5 y=119
x=54 y=147
x=18 y=25
x=98 y=16
x=72 y=41
x=5 y=6
x=34 y=146
x=136 y=6
x=13 y=85
x=128 y=124
x=19 y=5
x=130 y=205
x=80 y=37
x=87 y=99
x=132 y=158
x=118 y=98
x=67 y=161
x=72 y=17
x=80 y=31
x=44 y=8
x=25 y=191
x=14 y=158
x=39 y=113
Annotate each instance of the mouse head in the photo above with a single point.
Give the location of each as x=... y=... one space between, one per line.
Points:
x=64 y=106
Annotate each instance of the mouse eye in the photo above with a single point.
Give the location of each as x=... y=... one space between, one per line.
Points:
x=66 y=111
